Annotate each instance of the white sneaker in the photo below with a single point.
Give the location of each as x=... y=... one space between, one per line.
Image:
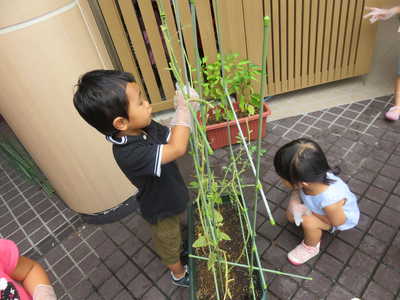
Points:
x=302 y=253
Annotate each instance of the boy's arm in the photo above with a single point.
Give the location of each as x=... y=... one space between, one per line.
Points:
x=182 y=124
x=30 y=274
x=177 y=144
x=335 y=213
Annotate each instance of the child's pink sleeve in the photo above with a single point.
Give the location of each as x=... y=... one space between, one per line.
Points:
x=9 y=256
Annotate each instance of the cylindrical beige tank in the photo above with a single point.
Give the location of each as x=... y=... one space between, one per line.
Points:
x=45 y=45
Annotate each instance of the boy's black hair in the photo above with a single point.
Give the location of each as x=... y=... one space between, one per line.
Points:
x=303 y=160
x=100 y=98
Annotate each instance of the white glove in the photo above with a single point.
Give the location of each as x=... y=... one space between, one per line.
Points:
x=376 y=14
x=298 y=211
x=44 y=292
x=182 y=114
x=190 y=94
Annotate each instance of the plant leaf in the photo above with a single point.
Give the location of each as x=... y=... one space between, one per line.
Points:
x=223 y=236
x=218 y=217
x=200 y=242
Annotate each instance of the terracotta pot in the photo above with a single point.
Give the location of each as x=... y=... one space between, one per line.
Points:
x=217 y=134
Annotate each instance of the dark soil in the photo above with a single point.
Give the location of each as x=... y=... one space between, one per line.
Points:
x=239 y=287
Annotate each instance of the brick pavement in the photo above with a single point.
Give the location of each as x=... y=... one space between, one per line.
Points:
x=116 y=261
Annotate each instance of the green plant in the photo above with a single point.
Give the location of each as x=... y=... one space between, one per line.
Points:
x=223 y=78
x=18 y=158
x=238 y=76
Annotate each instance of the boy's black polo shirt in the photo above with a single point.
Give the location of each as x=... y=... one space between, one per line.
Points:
x=162 y=191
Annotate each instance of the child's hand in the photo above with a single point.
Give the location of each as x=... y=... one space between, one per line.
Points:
x=298 y=211
x=183 y=116
x=44 y=292
x=179 y=99
x=376 y=14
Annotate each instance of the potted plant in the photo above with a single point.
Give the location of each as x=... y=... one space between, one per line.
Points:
x=238 y=76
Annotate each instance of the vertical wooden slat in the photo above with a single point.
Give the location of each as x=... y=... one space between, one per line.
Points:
x=154 y=36
x=232 y=27
x=206 y=28
x=115 y=26
x=326 y=46
x=312 y=42
x=291 y=43
x=306 y=37
x=135 y=34
x=186 y=20
x=355 y=36
x=319 y=45
x=253 y=20
x=333 y=42
x=166 y=6
x=270 y=61
x=277 y=46
x=298 y=43
x=283 y=42
x=347 y=42
x=341 y=37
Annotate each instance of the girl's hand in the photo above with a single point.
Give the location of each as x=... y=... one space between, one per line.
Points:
x=376 y=14
x=296 y=208
x=44 y=292
x=298 y=211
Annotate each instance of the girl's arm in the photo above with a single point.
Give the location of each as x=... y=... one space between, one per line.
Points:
x=335 y=213
x=30 y=274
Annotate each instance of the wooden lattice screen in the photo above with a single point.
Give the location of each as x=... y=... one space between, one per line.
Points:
x=311 y=41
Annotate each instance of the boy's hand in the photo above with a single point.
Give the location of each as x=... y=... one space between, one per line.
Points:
x=179 y=99
x=182 y=114
x=376 y=14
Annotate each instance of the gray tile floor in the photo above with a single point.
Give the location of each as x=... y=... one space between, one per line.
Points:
x=116 y=261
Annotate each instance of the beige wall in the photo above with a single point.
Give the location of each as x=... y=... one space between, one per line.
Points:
x=40 y=63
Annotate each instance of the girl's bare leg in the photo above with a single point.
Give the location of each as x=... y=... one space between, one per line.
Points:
x=313 y=227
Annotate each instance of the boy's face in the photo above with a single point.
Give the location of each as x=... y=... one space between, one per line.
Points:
x=139 y=110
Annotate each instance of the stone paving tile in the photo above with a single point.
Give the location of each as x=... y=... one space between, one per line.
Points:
x=116 y=261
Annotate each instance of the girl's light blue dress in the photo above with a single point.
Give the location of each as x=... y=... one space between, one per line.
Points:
x=336 y=192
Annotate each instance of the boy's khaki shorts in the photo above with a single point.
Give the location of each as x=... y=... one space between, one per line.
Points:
x=167 y=239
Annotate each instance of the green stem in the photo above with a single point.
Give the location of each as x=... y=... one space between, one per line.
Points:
x=260 y=269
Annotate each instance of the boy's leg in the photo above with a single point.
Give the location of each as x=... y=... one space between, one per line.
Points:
x=168 y=243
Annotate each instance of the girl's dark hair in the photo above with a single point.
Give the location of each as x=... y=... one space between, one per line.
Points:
x=100 y=98
x=303 y=160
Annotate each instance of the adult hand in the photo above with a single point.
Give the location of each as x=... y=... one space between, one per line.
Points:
x=375 y=14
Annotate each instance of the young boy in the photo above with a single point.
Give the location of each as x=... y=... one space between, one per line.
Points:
x=145 y=151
